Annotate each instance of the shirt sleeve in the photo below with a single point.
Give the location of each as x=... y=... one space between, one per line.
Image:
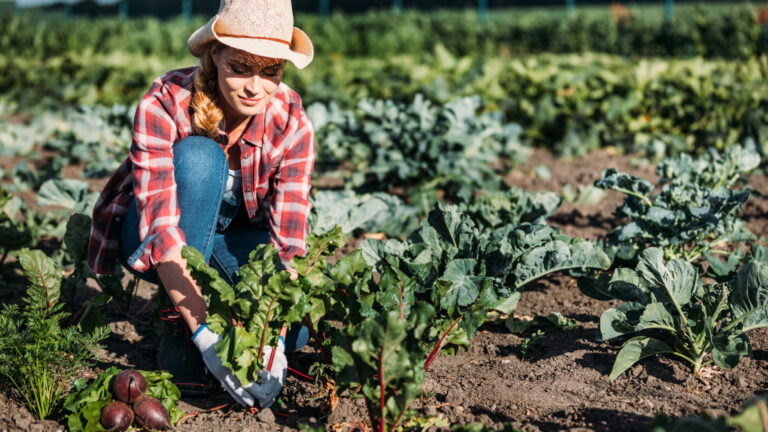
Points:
x=154 y=187
x=290 y=206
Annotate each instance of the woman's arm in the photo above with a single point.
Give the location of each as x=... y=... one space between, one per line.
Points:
x=154 y=186
x=183 y=290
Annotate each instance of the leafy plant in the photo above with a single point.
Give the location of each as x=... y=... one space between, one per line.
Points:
x=678 y=314
x=531 y=343
x=752 y=418
x=85 y=403
x=249 y=315
x=685 y=219
x=37 y=355
x=384 y=356
x=420 y=147
x=514 y=206
x=467 y=272
x=13 y=234
x=376 y=212
x=90 y=315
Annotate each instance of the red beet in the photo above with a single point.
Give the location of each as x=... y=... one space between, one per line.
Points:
x=150 y=413
x=129 y=385
x=116 y=416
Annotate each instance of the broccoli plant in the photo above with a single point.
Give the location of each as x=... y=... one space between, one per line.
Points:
x=694 y=213
x=698 y=323
x=686 y=220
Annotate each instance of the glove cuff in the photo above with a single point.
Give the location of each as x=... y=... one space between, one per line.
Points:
x=204 y=338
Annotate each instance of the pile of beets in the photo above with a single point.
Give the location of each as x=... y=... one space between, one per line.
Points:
x=129 y=387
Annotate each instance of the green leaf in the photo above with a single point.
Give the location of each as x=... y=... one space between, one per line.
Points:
x=77 y=236
x=70 y=194
x=656 y=316
x=558 y=255
x=749 y=296
x=676 y=281
x=384 y=353
x=636 y=349
x=45 y=280
x=458 y=287
x=753 y=418
x=729 y=349
x=620 y=321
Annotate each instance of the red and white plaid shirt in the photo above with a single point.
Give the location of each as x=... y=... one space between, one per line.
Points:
x=277 y=160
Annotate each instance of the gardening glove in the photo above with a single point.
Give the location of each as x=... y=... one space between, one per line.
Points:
x=205 y=340
x=271 y=381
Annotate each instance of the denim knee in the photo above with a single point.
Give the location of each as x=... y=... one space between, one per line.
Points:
x=198 y=160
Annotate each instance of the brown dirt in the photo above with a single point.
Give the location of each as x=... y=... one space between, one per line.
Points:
x=563 y=385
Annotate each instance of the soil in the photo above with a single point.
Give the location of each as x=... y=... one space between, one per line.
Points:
x=562 y=385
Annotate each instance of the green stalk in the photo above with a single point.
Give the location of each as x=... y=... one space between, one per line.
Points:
x=643 y=198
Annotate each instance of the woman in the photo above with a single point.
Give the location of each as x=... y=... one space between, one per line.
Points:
x=221 y=160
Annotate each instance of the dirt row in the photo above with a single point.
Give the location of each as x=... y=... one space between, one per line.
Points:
x=562 y=385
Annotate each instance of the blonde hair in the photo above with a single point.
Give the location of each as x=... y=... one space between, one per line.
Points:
x=206 y=112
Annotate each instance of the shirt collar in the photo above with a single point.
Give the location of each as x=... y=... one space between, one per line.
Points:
x=253 y=132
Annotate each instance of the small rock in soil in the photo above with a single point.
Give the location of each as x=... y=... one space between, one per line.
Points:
x=266 y=416
x=22 y=420
x=431 y=411
x=741 y=381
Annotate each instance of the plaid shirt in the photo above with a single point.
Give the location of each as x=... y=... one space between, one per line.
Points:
x=277 y=160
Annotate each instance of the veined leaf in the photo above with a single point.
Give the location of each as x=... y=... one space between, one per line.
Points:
x=749 y=296
x=675 y=281
x=636 y=349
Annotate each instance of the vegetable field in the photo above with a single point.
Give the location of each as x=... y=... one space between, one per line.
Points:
x=540 y=238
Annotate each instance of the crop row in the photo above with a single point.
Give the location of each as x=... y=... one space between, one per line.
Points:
x=729 y=32
x=568 y=103
x=461 y=265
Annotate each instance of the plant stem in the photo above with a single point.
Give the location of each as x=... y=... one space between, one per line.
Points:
x=381 y=387
x=643 y=198
x=266 y=327
x=434 y=352
x=313 y=332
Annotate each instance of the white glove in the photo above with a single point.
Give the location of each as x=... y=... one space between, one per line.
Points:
x=270 y=382
x=205 y=340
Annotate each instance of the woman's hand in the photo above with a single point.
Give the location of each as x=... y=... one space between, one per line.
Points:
x=205 y=340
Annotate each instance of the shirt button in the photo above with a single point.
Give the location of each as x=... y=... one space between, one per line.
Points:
x=247 y=156
x=247 y=189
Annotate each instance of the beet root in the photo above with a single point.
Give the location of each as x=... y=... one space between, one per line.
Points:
x=129 y=385
x=116 y=416
x=150 y=413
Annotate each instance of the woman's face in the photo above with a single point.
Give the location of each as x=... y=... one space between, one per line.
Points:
x=246 y=81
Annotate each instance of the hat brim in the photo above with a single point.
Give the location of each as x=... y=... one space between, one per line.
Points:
x=300 y=51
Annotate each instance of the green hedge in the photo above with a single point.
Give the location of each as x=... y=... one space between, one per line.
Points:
x=711 y=31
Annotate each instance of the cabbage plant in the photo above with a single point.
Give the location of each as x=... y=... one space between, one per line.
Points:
x=670 y=311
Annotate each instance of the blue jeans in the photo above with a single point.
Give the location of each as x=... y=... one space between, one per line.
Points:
x=213 y=221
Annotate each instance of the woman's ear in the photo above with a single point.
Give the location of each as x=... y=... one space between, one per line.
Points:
x=215 y=53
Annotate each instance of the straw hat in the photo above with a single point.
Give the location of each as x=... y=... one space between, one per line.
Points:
x=261 y=27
